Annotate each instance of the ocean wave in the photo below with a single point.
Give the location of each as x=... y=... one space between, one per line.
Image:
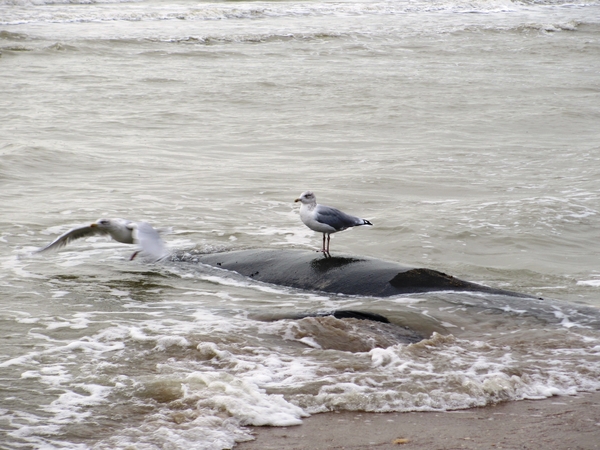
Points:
x=29 y=3
x=175 y=377
x=67 y=11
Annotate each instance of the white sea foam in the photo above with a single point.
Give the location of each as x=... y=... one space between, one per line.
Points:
x=72 y=407
x=236 y=376
x=242 y=399
x=593 y=283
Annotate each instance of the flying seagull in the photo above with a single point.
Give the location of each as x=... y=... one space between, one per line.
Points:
x=325 y=219
x=121 y=230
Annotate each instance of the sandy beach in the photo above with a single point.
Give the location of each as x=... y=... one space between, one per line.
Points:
x=557 y=423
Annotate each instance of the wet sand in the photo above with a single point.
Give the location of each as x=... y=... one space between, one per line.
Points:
x=556 y=423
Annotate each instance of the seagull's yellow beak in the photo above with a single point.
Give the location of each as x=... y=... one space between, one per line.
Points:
x=94 y=225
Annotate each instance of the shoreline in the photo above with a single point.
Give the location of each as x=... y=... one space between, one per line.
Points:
x=555 y=423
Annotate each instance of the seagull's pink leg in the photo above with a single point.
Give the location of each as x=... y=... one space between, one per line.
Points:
x=134 y=255
x=328 y=239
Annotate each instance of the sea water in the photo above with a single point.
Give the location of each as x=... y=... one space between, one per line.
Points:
x=466 y=131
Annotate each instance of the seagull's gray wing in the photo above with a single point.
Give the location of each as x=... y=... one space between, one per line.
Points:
x=149 y=240
x=336 y=218
x=71 y=235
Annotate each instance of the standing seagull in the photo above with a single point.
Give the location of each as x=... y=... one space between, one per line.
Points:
x=121 y=230
x=325 y=219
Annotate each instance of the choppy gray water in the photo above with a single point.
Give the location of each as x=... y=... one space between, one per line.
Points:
x=467 y=132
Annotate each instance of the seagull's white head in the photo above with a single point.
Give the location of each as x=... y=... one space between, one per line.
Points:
x=121 y=230
x=307 y=198
x=103 y=224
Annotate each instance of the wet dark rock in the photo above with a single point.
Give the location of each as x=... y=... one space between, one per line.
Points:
x=346 y=330
x=347 y=314
x=348 y=275
x=351 y=334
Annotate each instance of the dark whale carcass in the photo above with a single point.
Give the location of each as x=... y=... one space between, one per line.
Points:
x=350 y=275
